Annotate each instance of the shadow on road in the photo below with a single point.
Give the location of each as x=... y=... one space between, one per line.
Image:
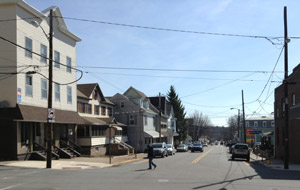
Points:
x=141 y=170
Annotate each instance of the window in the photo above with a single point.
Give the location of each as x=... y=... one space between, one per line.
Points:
x=89 y=108
x=28 y=89
x=272 y=124
x=293 y=99
x=82 y=107
x=283 y=106
x=122 y=104
x=110 y=111
x=28 y=46
x=103 y=110
x=146 y=120
x=247 y=124
x=56 y=59
x=95 y=94
x=37 y=129
x=96 y=111
x=69 y=94
x=69 y=64
x=57 y=92
x=98 y=131
x=131 y=120
x=43 y=53
x=264 y=124
x=83 y=131
x=255 y=124
x=44 y=89
x=24 y=134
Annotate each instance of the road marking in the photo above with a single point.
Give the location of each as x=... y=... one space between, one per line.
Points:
x=163 y=180
x=200 y=157
x=140 y=162
x=13 y=186
x=247 y=163
x=123 y=162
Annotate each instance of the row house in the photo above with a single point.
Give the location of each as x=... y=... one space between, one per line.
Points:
x=294 y=117
x=24 y=94
x=99 y=125
x=168 y=120
x=134 y=109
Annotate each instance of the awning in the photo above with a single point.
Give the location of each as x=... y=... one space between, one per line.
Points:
x=40 y=114
x=93 y=121
x=153 y=134
x=165 y=133
x=268 y=133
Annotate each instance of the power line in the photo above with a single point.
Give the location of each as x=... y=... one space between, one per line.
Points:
x=176 y=70
x=268 y=38
x=176 y=77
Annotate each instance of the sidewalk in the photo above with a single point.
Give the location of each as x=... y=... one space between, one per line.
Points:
x=76 y=163
x=274 y=163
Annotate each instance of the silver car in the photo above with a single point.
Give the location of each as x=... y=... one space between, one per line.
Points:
x=171 y=149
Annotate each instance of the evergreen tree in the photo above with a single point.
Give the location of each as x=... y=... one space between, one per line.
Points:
x=179 y=113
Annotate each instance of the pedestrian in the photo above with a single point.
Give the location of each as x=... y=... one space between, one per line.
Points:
x=150 y=157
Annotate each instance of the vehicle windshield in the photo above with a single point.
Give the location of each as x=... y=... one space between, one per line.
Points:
x=157 y=146
x=169 y=146
x=244 y=147
x=181 y=146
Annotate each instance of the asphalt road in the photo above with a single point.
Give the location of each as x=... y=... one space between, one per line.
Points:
x=211 y=169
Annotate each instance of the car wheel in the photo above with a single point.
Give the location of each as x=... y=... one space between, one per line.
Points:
x=248 y=159
x=192 y=151
x=163 y=155
x=232 y=158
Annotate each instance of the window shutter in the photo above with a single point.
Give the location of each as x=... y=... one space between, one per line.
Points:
x=135 y=119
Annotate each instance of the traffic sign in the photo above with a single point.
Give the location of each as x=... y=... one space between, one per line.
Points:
x=255 y=132
x=51 y=113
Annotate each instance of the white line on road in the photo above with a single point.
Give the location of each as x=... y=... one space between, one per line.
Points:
x=9 y=187
x=163 y=180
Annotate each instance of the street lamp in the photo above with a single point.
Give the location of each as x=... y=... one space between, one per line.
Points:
x=49 y=116
x=238 y=121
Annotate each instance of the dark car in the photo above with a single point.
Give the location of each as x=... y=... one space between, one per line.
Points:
x=190 y=145
x=197 y=147
x=160 y=149
x=240 y=151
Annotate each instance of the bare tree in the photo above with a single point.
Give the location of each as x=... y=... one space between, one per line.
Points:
x=233 y=124
x=199 y=121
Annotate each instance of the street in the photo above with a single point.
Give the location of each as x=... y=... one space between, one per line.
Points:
x=211 y=169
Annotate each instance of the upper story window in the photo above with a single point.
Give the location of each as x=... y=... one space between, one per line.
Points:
x=57 y=92
x=283 y=106
x=103 y=110
x=131 y=120
x=69 y=64
x=272 y=124
x=293 y=99
x=95 y=97
x=255 y=124
x=44 y=89
x=89 y=108
x=110 y=111
x=82 y=107
x=69 y=94
x=28 y=89
x=146 y=120
x=43 y=53
x=122 y=105
x=57 y=59
x=96 y=111
x=247 y=124
x=264 y=124
x=28 y=46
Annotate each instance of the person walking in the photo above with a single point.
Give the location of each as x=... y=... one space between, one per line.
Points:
x=150 y=157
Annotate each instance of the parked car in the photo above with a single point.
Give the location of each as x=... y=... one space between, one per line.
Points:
x=197 y=147
x=240 y=151
x=230 y=145
x=205 y=144
x=190 y=145
x=171 y=149
x=160 y=149
x=182 y=148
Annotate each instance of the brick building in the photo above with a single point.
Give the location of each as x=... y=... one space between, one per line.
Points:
x=294 y=117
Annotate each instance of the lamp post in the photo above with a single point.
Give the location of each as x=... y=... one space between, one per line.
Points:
x=238 y=121
x=49 y=116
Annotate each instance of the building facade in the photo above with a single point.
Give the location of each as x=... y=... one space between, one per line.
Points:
x=24 y=104
x=293 y=120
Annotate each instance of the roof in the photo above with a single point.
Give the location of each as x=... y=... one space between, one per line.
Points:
x=101 y=121
x=56 y=12
x=262 y=118
x=137 y=91
x=33 y=113
x=87 y=90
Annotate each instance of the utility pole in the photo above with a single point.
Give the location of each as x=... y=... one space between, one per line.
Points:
x=286 y=94
x=238 y=124
x=159 y=122
x=49 y=125
x=244 y=121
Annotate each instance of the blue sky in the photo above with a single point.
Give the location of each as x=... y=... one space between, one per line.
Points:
x=212 y=93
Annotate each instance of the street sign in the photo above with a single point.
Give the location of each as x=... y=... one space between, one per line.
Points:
x=51 y=113
x=255 y=132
